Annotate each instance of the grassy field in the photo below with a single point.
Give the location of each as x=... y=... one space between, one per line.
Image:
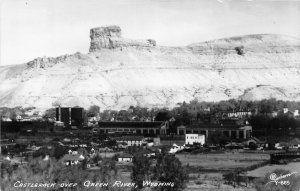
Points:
x=212 y=182
x=201 y=181
x=222 y=161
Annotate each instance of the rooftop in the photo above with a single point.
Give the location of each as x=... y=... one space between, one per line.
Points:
x=125 y=155
x=69 y=157
x=130 y=138
x=130 y=124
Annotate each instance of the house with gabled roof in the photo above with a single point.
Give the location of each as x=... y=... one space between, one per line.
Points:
x=70 y=159
x=294 y=143
x=125 y=157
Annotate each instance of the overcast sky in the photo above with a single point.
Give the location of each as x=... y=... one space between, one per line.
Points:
x=37 y=28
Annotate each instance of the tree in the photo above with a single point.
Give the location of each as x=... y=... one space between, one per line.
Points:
x=13 y=116
x=229 y=105
x=6 y=169
x=218 y=138
x=50 y=113
x=36 y=170
x=260 y=121
x=108 y=170
x=236 y=177
x=96 y=158
x=42 y=152
x=106 y=115
x=268 y=105
x=56 y=103
x=59 y=151
x=184 y=116
x=4 y=151
x=169 y=169
x=52 y=171
x=140 y=169
x=93 y=111
x=252 y=146
x=163 y=116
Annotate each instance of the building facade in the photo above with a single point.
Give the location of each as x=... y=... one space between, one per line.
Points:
x=139 y=128
x=70 y=116
x=231 y=131
x=190 y=139
x=131 y=140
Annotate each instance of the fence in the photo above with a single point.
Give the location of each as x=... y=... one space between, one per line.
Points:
x=278 y=158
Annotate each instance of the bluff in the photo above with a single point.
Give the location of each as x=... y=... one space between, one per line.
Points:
x=110 y=38
x=119 y=72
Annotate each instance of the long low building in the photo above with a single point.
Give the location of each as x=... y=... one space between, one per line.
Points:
x=231 y=131
x=140 y=128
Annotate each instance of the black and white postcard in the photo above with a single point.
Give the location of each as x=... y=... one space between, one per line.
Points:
x=150 y=95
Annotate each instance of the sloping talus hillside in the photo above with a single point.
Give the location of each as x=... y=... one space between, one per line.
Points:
x=119 y=72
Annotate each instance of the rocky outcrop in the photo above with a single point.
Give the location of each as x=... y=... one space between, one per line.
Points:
x=110 y=38
x=45 y=62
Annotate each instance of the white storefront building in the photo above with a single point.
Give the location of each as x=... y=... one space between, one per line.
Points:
x=194 y=138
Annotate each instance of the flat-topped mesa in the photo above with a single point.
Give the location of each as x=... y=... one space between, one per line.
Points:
x=110 y=37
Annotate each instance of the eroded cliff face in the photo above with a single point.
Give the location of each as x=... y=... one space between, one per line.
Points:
x=119 y=72
x=110 y=38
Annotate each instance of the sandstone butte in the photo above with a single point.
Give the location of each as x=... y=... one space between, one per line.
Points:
x=119 y=72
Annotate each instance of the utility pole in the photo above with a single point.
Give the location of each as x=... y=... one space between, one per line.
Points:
x=0 y=117
x=0 y=122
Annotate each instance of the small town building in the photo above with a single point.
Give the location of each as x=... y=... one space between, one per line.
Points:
x=71 y=160
x=70 y=116
x=46 y=157
x=175 y=148
x=6 y=119
x=156 y=141
x=290 y=113
x=281 y=145
x=255 y=141
x=125 y=157
x=152 y=141
x=236 y=114
x=134 y=127
x=59 y=124
x=131 y=140
x=233 y=131
x=19 y=118
x=122 y=145
x=294 y=143
x=149 y=152
x=190 y=139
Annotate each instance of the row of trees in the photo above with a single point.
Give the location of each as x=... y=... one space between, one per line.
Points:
x=181 y=110
x=186 y=111
x=168 y=169
x=279 y=126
